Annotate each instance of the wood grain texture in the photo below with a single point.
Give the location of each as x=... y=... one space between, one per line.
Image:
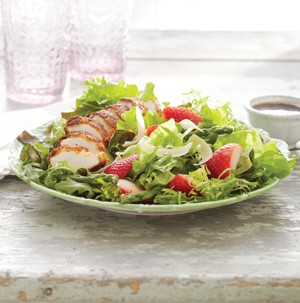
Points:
x=57 y=251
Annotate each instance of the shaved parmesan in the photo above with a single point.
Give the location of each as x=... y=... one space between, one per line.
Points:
x=175 y=152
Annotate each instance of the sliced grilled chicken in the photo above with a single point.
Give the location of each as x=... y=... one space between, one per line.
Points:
x=78 y=156
x=83 y=139
x=117 y=109
x=87 y=137
x=154 y=106
x=130 y=102
x=107 y=119
x=86 y=124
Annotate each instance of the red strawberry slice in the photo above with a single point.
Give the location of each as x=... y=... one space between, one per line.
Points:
x=224 y=160
x=181 y=113
x=181 y=183
x=128 y=187
x=150 y=129
x=122 y=167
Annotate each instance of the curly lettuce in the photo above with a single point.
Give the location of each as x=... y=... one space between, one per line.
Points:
x=101 y=93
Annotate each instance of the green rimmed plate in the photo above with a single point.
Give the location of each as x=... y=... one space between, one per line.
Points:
x=133 y=209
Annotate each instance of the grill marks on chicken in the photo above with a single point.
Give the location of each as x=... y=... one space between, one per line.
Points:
x=106 y=119
x=87 y=137
x=78 y=156
x=88 y=125
x=117 y=110
x=133 y=102
x=83 y=139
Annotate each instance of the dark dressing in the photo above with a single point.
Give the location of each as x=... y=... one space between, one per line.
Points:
x=277 y=108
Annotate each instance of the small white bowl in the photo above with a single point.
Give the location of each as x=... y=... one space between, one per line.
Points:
x=280 y=124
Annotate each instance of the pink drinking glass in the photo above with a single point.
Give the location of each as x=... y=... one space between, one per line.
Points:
x=100 y=39
x=37 y=35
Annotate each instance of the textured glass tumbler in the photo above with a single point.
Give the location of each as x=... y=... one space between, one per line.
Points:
x=36 y=35
x=100 y=39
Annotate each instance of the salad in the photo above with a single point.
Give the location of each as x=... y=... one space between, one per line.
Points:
x=121 y=144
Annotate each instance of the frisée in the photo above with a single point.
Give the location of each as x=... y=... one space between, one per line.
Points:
x=122 y=144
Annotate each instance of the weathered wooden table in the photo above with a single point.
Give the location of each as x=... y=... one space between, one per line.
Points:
x=56 y=251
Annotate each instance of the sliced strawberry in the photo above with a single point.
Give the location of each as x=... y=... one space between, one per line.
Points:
x=122 y=167
x=181 y=183
x=224 y=160
x=181 y=113
x=128 y=187
x=150 y=129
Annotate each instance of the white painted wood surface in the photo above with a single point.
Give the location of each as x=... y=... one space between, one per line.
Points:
x=55 y=251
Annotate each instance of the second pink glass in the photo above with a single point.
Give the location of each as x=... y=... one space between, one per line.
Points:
x=100 y=39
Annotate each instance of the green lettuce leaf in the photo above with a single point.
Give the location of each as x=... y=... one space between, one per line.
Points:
x=274 y=162
x=35 y=153
x=216 y=189
x=158 y=174
x=169 y=196
x=56 y=132
x=72 y=187
x=129 y=121
x=148 y=93
x=116 y=143
x=219 y=114
x=153 y=118
x=248 y=139
x=166 y=134
x=74 y=181
x=101 y=93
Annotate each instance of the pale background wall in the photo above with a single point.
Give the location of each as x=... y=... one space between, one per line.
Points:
x=217 y=15
x=212 y=15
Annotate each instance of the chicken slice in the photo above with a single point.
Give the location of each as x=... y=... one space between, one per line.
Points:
x=106 y=119
x=83 y=139
x=130 y=102
x=118 y=109
x=78 y=156
x=88 y=125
